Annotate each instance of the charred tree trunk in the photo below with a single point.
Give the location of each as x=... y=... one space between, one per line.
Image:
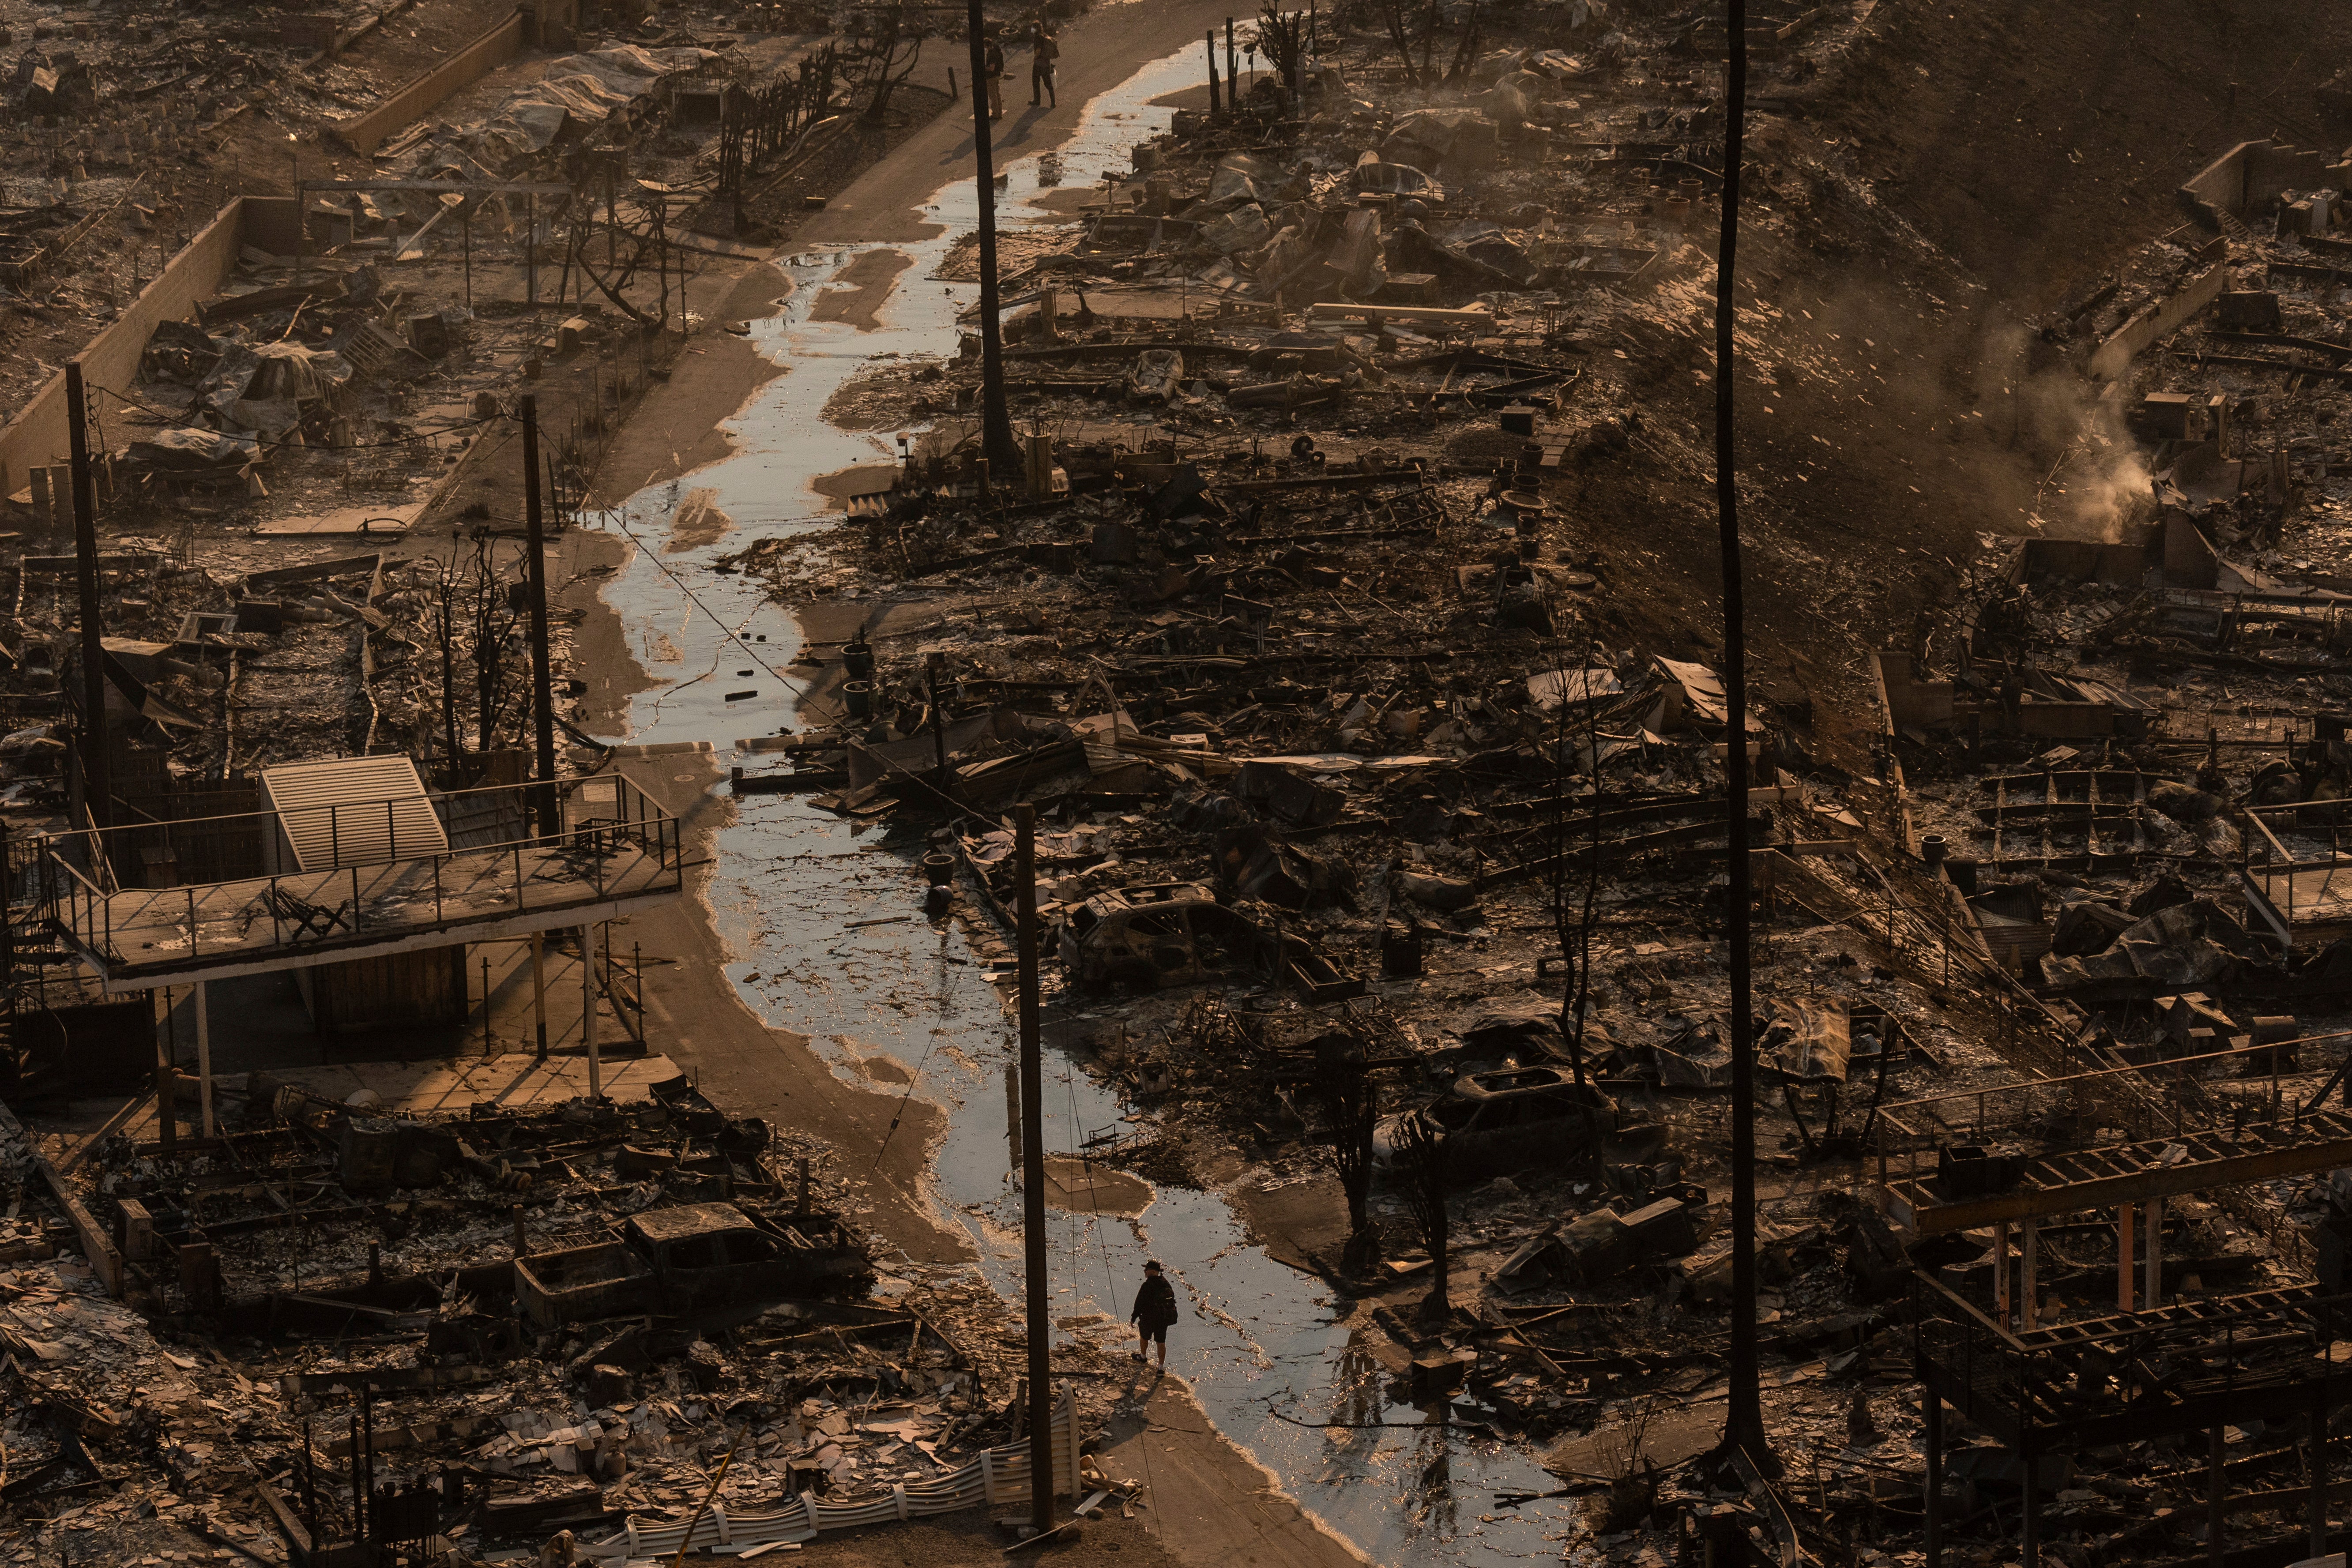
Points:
x=1350 y=1103
x=1427 y=1159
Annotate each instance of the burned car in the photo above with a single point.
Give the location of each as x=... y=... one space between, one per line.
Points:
x=1162 y=934
x=1497 y=1123
x=692 y=1257
x=1157 y=934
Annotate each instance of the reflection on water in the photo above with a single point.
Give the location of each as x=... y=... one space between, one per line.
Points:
x=793 y=883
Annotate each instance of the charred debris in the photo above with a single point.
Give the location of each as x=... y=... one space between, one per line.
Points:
x=1377 y=847
x=1374 y=850
x=275 y=655
x=340 y=1327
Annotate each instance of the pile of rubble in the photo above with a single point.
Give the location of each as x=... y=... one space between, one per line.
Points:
x=487 y=1328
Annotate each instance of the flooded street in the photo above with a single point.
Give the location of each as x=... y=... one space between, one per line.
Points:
x=1264 y=1347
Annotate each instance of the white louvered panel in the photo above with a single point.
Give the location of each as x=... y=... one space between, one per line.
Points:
x=354 y=810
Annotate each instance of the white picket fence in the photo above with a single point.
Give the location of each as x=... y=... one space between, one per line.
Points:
x=992 y=1476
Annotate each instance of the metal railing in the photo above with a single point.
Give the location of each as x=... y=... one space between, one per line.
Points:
x=614 y=840
x=2009 y=1110
x=2280 y=865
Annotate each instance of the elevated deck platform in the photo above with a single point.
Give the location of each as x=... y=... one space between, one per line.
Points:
x=486 y=874
x=2299 y=888
x=2266 y=1356
x=2078 y=1179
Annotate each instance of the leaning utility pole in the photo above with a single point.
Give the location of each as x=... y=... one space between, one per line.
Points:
x=542 y=694
x=1743 y=1426
x=97 y=787
x=996 y=444
x=1032 y=1176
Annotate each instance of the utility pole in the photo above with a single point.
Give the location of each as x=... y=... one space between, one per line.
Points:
x=996 y=443
x=97 y=784
x=542 y=696
x=1743 y=1427
x=1033 y=1177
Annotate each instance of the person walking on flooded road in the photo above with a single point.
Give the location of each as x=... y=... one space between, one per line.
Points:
x=1155 y=1312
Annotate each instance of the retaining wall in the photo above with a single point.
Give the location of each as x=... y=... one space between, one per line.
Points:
x=38 y=434
x=2251 y=176
x=366 y=132
x=2152 y=324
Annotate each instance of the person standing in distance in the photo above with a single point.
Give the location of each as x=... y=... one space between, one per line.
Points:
x=993 y=63
x=1155 y=1310
x=1045 y=51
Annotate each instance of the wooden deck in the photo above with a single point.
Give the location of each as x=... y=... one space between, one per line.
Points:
x=2076 y=1180
x=142 y=937
x=2311 y=895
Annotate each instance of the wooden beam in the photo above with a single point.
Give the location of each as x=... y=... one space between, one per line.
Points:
x=2150 y=1186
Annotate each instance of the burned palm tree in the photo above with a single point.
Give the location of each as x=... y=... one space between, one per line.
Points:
x=1343 y=1088
x=1424 y=1157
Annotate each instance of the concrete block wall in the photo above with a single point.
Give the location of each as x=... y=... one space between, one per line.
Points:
x=39 y=435
x=2155 y=323
x=2252 y=175
x=364 y=134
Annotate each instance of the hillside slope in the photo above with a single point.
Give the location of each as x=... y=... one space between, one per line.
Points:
x=1947 y=177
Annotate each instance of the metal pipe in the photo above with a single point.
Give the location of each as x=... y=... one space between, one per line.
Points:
x=205 y=1054
x=542 y=696
x=97 y=786
x=2000 y=1276
x=1032 y=1176
x=2123 y=1234
x=2030 y=1270
x=1932 y=1419
x=539 y=988
x=588 y=1014
x=2319 y=1477
x=2215 y=1535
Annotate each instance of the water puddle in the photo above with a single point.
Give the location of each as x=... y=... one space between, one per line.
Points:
x=793 y=883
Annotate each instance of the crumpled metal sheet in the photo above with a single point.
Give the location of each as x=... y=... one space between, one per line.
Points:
x=1810 y=1040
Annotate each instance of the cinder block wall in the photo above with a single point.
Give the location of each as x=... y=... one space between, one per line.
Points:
x=38 y=434
x=366 y=132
